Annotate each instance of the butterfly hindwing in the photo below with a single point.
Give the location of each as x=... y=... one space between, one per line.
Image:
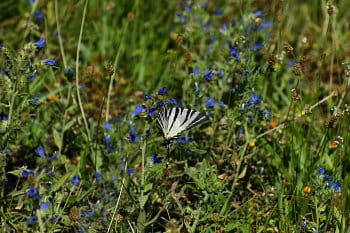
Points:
x=172 y=122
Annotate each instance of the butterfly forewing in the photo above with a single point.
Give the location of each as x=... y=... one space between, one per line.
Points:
x=174 y=121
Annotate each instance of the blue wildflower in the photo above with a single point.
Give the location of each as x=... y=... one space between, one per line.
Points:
x=3 y=117
x=32 y=220
x=176 y=102
x=257 y=14
x=291 y=63
x=328 y=178
x=162 y=91
x=6 y=151
x=321 y=171
x=40 y=151
x=45 y=205
x=196 y=71
x=25 y=173
x=38 y=15
x=50 y=62
x=40 y=44
x=69 y=73
x=223 y=29
x=134 y=138
x=148 y=132
x=108 y=143
x=147 y=96
x=34 y=101
x=98 y=177
x=139 y=109
x=183 y=140
x=220 y=73
x=257 y=46
x=208 y=75
x=33 y=192
x=152 y=112
x=221 y=104
x=262 y=26
x=107 y=126
x=117 y=119
x=155 y=159
x=209 y=102
x=336 y=186
x=255 y=100
x=31 y=1
x=32 y=76
x=250 y=117
x=53 y=219
x=131 y=171
x=75 y=180
x=234 y=51
x=219 y=12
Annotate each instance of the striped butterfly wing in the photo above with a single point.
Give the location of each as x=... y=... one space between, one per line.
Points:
x=174 y=121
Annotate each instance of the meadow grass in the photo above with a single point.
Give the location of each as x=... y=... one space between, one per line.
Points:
x=81 y=84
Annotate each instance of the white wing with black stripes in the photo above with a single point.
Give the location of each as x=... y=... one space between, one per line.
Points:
x=174 y=121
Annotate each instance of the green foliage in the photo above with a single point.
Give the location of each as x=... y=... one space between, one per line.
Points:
x=80 y=152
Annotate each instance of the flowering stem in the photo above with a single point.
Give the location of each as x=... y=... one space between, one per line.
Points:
x=112 y=77
x=77 y=78
x=117 y=204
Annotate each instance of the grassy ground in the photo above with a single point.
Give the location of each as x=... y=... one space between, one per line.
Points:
x=79 y=148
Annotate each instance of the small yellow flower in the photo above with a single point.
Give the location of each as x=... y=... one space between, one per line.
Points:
x=251 y=144
x=307 y=189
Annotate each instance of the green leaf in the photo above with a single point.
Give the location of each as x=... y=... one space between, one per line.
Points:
x=231 y=226
x=57 y=139
x=141 y=220
x=148 y=187
x=57 y=185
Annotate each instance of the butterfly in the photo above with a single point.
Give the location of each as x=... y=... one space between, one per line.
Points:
x=173 y=121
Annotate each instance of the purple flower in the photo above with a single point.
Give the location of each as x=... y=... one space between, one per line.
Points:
x=40 y=44
x=155 y=159
x=31 y=1
x=108 y=126
x=6 y=151
x=40 y=151
x=139 y=109
x=75 y=180
x=147 y=96
x=220 y=73
x=152 y=112
x=223 y=29
x=196 y=71
x=33 y=193
x=45 y=205
x=32 y=220
x=234 y=51
x=162 y=91
x=209 y=102
x=50 y=62
x=176 y=102
x=208 y=75
x=108 y=143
